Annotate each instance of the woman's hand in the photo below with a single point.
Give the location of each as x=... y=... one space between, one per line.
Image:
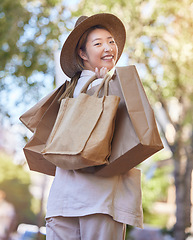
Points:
x=101 y=73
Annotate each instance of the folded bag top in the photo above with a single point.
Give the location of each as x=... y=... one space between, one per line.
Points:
x=83 y=131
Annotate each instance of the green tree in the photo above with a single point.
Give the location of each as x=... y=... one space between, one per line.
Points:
x=155 y=184
x=15 y=182
x=29 y=33
x=160 y=42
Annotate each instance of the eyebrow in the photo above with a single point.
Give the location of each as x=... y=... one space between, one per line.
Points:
x=96 y=39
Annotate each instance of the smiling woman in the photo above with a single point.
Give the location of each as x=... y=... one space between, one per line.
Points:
x=83 y=205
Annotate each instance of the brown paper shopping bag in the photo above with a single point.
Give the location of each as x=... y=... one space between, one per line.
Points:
x=136 y=136
x=40 y=120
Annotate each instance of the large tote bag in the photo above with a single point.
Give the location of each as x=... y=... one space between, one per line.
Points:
x=83 y=130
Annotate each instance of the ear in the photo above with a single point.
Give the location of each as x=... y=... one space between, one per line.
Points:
x=83 y=55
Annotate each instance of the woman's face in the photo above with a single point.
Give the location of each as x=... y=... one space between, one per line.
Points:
x=101 y=50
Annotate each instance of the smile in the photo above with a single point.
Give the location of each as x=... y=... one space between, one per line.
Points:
x=108 y=57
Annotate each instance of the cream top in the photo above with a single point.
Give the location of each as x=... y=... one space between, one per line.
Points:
x=78 y=194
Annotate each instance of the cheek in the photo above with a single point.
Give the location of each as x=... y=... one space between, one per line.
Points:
x=116 y=50
x=91 y=52
x=95 y=54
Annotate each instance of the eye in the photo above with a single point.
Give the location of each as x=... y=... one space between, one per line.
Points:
x=97 y=44
x=112 y=41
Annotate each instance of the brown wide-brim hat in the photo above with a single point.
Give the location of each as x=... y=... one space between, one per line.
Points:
x=109 y=21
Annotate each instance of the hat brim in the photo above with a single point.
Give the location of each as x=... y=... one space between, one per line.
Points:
x=107 y=20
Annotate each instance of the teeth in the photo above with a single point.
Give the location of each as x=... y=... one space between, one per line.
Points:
x=108 y=57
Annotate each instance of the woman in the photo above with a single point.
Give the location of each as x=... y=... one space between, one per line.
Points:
x=82 y=205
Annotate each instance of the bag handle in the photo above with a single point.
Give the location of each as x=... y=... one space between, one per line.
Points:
x=105 y=82
x=84 y=89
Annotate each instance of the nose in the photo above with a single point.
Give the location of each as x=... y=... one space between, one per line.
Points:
x=107 y=48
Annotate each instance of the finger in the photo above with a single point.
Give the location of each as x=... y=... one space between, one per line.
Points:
x=97 y=72
x=103 y=71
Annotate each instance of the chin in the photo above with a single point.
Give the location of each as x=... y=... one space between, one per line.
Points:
x=109 y=66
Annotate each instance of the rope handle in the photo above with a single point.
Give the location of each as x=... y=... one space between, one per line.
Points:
x=84 y=89
x=105 y=83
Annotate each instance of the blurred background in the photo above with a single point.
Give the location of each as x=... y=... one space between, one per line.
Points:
x=160 y=44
